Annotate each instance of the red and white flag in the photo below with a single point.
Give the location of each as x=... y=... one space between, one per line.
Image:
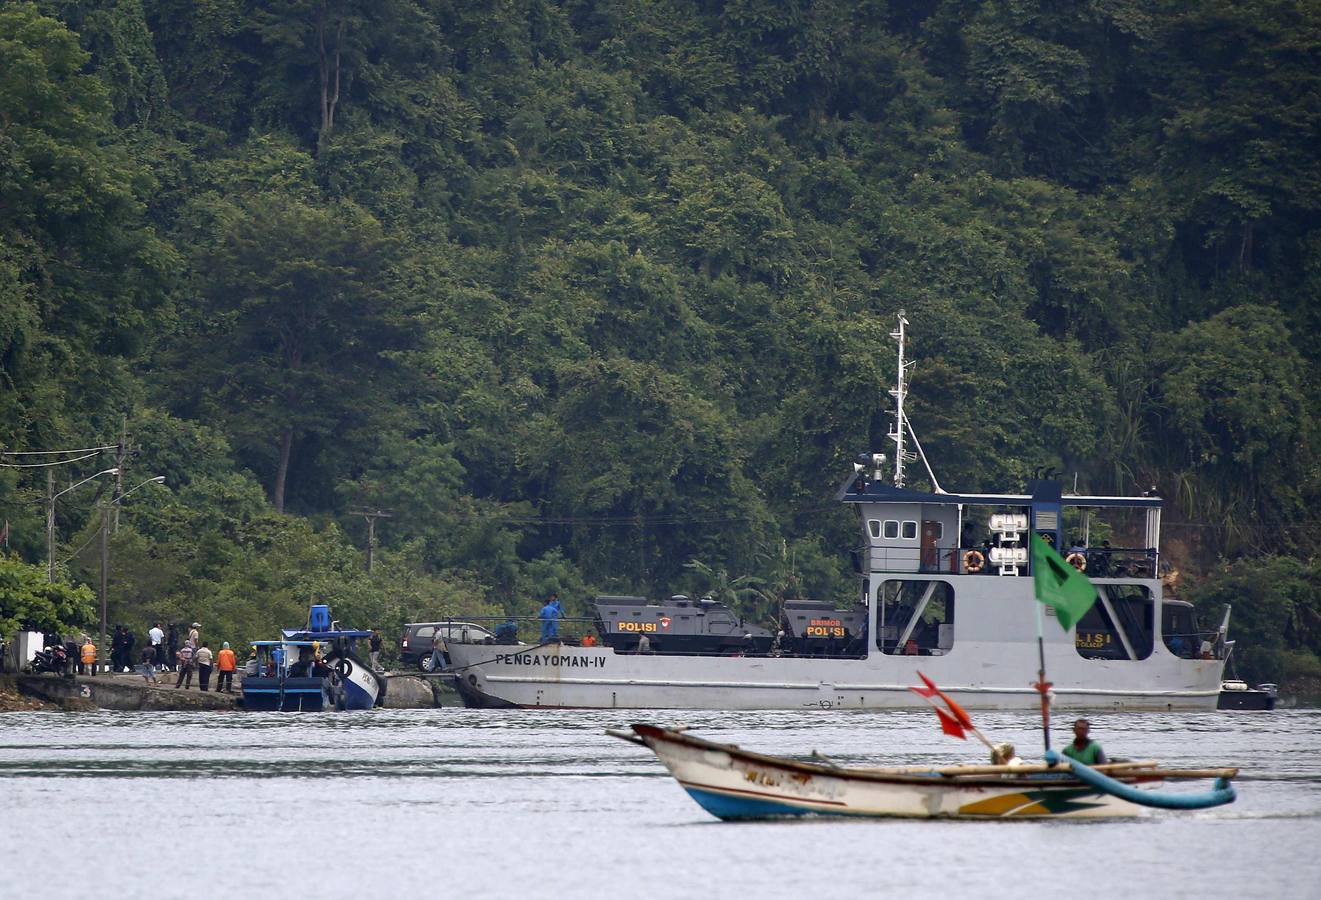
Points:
x=954 y=719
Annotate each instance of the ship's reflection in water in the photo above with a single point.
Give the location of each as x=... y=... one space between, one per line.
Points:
x=457 y=803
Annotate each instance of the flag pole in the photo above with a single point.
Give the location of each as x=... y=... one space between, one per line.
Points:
x=1042 y=685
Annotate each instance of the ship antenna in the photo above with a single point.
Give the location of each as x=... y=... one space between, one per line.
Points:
x=899 y=393
x=902 y=426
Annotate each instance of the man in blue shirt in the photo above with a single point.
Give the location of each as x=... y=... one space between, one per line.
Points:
x=550 y=616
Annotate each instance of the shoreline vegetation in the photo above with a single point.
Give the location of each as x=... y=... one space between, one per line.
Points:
x=427 y=310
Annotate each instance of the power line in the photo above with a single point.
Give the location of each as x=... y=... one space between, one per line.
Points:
x=62 y=462
x=53 y=452
x=88 y=543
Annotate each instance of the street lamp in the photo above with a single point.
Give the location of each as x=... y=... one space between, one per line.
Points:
x=105 y=555
x=50 y=520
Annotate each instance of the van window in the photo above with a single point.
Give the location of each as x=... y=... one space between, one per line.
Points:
x=910 y=530
x=874 y=527
x=425 y=631
x=891 y=528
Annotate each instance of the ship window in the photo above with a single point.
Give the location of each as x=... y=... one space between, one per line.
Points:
x=910 y=530
x=939 y=531
x=1096 y=635
x=874 y=527
x=1178 y=628
x=915 y=618
x=891 y=528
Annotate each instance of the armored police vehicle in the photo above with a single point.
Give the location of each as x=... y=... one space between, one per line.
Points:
x=818 y=628
x=676 y=625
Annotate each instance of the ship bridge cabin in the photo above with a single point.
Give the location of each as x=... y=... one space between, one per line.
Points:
x=975 y=534
x=921 y=549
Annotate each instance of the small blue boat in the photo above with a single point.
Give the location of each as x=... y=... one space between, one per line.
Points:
x=311 y=669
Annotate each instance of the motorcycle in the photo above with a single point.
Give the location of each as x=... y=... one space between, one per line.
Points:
x=52 y=659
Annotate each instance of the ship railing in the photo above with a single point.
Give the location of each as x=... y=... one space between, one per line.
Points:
x=972 y=560
x=1100 y=562
x=1118 y=562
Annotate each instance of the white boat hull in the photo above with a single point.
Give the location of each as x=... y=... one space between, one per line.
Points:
x=556 y=676
x=733 y=784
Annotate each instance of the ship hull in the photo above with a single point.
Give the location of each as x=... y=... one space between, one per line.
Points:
x=556 y=676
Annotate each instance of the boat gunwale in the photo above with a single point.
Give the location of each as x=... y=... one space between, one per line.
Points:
x=1036 y=775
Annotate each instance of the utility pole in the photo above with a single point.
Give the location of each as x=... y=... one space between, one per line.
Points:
x=371 y=515
x=105 y=569
x=121 y=455
x=50 y=526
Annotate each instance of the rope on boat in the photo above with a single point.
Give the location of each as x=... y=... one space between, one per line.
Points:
x=1219 y=795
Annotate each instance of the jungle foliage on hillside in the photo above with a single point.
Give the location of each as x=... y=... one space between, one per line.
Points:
x=585 y=291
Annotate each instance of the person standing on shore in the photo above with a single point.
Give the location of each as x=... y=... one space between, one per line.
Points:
x=126 y=657
x=185 y=660
x=157 y=637
x=438 y=651
x=226 y=663
x=77 y=657
x=204 y=659
x=117 y=648
x=171 y=647
x=89 y=656
x=194 y=634
x=374 y=646
x=148 y=667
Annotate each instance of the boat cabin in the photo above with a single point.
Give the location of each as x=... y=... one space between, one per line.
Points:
x=286 y=675
x=911 y=537
x=968 y=534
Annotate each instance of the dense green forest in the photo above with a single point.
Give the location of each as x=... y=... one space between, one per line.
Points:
x=583 y=292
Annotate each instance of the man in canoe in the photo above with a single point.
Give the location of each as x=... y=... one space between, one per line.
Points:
x=1083 y=748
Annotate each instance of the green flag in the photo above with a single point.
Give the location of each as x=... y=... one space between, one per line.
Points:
x=1059 y=585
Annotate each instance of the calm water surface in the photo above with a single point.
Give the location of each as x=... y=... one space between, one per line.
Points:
x=454 y=803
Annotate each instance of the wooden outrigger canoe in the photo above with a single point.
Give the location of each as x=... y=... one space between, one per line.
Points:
x=733 y=784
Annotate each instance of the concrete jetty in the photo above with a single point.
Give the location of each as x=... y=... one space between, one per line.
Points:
x=132 y=693
x=122 y=692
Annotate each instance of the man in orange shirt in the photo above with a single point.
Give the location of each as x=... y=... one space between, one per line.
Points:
x=225 y=665
x=88 y=651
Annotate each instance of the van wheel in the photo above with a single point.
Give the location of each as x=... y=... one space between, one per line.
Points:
x=427 y=664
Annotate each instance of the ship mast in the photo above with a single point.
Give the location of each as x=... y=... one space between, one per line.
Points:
x=899 y=393
x=902 y=427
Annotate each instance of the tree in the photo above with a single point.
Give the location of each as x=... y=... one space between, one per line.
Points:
x=1276 y=617
x=29 y=603
x=82 y=277
x=300 y=326
x=1233 y=406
